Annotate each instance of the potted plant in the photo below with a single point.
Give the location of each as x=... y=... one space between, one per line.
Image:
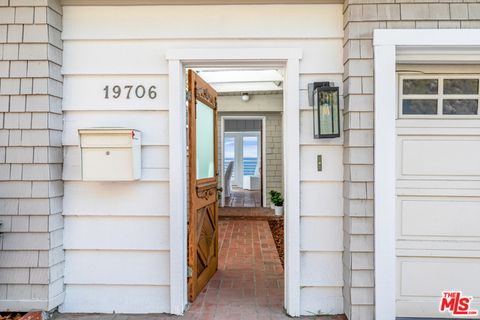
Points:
x=272 y=195
x=277 y=200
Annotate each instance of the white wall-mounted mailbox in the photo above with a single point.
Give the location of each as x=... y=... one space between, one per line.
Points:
x=110 y=154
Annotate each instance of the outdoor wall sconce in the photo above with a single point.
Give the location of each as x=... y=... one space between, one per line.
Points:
x=326 y=111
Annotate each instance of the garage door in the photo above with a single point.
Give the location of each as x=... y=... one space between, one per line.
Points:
x=438 y=192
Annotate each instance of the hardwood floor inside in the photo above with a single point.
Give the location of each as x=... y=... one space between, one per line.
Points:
x=241 y=198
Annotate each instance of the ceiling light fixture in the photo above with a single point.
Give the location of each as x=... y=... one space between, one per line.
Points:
x=245 y=97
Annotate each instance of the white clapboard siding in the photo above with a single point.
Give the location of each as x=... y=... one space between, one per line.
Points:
x=321 y=198
x=152 y=124
x=154 y=163
x=112 y=299
x=116 y=233
x=86 y=92
x=117 y=267
x=335 y=77
x=127 y=45
x=331 y=157
x=140 y=198
x=321 y=233
x=321 y=269
x=187 y=22
x=321 y=300
x=147 y=57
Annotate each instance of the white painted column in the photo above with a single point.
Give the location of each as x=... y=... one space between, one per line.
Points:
x=385 y=102
x=291 y=167
x=178 y=189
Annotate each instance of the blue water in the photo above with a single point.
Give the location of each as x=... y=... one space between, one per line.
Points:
x=249 y=165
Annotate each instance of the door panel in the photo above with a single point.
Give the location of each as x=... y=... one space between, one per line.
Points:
x=203 y=182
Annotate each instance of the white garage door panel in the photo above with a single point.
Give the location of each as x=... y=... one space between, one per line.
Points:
x=427 y=308
x=437 y=213
x=434 y=183
x=439 y=217
x=428 y=157
x=417 y=278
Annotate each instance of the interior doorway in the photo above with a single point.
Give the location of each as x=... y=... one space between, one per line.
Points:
x=242 y=152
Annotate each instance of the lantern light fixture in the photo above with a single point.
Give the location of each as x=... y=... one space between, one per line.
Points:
x=324 y=97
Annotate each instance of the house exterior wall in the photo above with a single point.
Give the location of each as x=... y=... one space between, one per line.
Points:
x=360 y=19
x=31 y=187
x=274 y=154
x=107 y=45
x=98 y=51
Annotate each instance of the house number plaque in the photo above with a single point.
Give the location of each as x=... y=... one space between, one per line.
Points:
x=130 y=91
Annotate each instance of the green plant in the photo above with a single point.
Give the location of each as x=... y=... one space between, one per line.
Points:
x=277 y=199
x=273 y=193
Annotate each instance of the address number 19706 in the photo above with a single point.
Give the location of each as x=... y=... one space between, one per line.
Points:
x=130 y=91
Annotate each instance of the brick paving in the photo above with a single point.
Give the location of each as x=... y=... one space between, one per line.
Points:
x=247 y=213
x=247 y=286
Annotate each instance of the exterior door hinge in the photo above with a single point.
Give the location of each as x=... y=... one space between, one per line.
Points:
x=189 y=272
x=189 y=95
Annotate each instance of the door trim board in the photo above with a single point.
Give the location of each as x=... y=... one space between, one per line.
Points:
x=179 y=59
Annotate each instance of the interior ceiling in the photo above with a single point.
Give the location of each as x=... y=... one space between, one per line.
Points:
x=229 y=81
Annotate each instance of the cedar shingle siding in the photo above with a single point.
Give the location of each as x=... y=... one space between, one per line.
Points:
x=361 y=17
x=31 y=187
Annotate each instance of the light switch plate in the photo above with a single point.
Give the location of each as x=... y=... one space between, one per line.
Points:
x=319 y=162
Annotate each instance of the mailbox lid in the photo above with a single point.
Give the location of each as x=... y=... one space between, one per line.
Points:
x=109 y=138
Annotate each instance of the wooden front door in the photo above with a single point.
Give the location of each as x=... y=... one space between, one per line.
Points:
x=203 y=183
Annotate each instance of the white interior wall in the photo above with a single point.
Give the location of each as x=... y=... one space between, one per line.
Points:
x=127 y=45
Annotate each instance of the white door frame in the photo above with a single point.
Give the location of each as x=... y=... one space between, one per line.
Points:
x=392 y=47
x=263 y=151
x=178 y=60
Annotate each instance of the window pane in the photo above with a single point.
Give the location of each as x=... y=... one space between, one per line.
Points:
x=229 y=153
x=250 y=156
x=460 y=86
x=419 y=106
x=420 y=86
x=460 y=106
x=205 y=141
x=328 y=112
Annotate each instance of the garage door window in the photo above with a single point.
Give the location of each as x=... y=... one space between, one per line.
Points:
x=439 y=95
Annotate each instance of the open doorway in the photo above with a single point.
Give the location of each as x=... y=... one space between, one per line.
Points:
x=242 y=157
x=234 y=254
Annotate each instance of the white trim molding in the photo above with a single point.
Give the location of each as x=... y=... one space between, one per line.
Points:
x=387 y=45
x=287 y=58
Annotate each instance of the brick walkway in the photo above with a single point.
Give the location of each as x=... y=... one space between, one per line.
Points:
x=247 y=213
x=249 y=280
x=248 y=284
